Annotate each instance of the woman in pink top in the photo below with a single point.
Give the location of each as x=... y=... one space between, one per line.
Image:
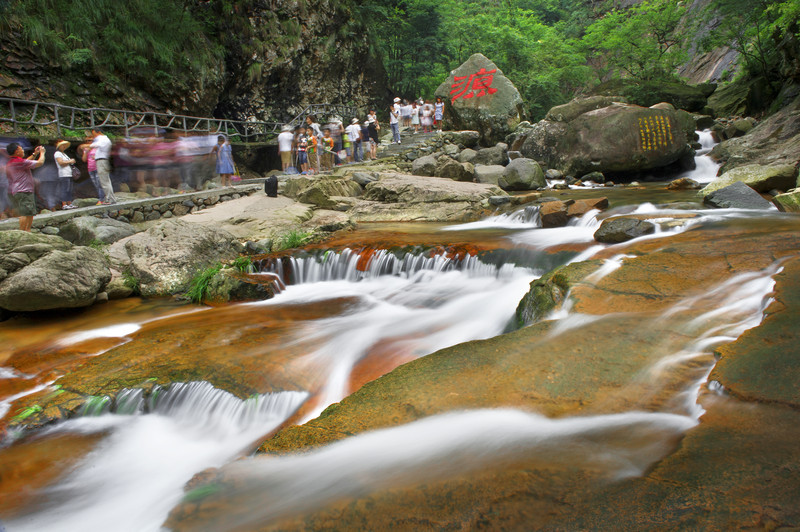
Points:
x=88 y=157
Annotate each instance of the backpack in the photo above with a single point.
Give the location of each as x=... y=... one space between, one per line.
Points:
x=271 y=186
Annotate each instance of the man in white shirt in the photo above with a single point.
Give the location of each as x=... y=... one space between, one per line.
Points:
x=354 y=136
x=102 y=155
x=285 y=140
x=394 y=120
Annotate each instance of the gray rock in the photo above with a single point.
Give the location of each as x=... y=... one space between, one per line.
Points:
x=595 y=177
x=491 y=156
x=615 y=230
x=363 y=178
x=522 y=174
x=494 y=112
x=499 y=200
x=683 y=183
x=43 y=272
x=514 y=155
x=181 y=210
x=489 y=174
x=451 y=169
x=49 y=230
x=86 y=229
x=424 y=166
x=188 y=203
x=759 y=178
x=468 y=139
x=552 y=173
x=736 y=196
x=467 y=156
x=137 y=217
x=165 y=257
x=151 y=216
x=451 y=150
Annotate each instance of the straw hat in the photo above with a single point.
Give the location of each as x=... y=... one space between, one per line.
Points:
x=64 y=143
x=396 y=100
x=354 y=121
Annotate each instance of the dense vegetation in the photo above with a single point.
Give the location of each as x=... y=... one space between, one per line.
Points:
x=551 y=49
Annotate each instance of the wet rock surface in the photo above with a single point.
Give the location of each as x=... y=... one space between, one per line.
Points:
x=737 y=196
x=616 y=230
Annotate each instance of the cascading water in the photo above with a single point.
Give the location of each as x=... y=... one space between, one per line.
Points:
x=136 y=474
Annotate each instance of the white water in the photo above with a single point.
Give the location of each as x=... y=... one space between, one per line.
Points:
x=705 y=167
x=419 y=304
x=136 y=474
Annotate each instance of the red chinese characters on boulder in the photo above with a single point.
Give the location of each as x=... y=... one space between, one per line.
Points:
x=474 y=85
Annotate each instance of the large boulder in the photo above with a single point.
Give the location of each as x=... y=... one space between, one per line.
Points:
x=425 y=166
x=616 y=230
x=522 y=174
x=788 y=202
x=479 y=97
x=230 y=285
x=452 y=169
x=554 y=213
x=736 y=196
x=40 y=272
x=494 y=155
x=575 y=108
x=164 y=258
x=759 y=178
x=489 y=173
x=619 y=138
x=318 y=190
x=84 y=230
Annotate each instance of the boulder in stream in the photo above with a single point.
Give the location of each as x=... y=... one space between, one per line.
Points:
x=622 y=229
x=736 y=196
x=41 y=272
x=522 y=174
x=759 y=178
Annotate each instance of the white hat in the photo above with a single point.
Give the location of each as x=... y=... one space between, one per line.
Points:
x=287 y=127
x=354 y=121
x=397 y=99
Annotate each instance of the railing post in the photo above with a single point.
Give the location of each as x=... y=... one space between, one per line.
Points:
x=125 y=119
x=58 y=124
x=155 y=125
x=91 y=118
x=13 y=115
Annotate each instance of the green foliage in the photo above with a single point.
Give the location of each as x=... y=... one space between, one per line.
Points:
x=130 y=281
x=293 y=239
x=641 y=41
x=27 y=412
x=243 y=264
x=198 y=286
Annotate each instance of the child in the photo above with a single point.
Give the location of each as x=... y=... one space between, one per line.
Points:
x=313 y=160
x=327 y=149
x=302 y=147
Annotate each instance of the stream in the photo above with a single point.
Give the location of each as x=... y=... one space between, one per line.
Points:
x=348 y=314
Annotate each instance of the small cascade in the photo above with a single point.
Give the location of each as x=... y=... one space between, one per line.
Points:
x=136 y=474
x=525 y=218
x=353 y=266
x=706 y=168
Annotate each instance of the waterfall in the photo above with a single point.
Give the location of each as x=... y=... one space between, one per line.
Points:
x=706 y=168
x=136 y=474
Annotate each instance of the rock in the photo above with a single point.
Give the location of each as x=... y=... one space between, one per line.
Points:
x=561 y=186
x=499 y=200
x=86 y=229
x=118 y=288
x=616 y=138
x=49 y=230
x=494 y=112
x=522 y=174
x=582 y=206
x=451 y=169
x=424 y=166
x=594 y=177
x=491 y=156
x=683 y=183
x=319 y=190
x=40 y=272
x=743 y=126
x=663 y=105
x=573 y=109
x=774 y=141
x=167 y=215
x=230 y=285
x=490 y=174
x=621 y=229
x=552 y=173
x=468 y=139
x=363 y=178
x=152 y=216
x=164 y=258
x=137 y=217
x=553 y=214
x=703 y=121
x=548 y=292
x=467 y=156
x=788 y=202
x=514 y=155
x=181 y=210
x=736 y=196
x=759 y=178
x=451 y=150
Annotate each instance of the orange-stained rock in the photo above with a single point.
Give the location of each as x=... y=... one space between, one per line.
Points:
x=581 y=207
x=553 y=214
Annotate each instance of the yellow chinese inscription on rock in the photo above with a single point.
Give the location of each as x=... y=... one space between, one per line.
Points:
x=655 y=132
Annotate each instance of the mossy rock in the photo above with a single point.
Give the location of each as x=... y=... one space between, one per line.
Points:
x=549 y=291
x=230 y=285
x=646 y=93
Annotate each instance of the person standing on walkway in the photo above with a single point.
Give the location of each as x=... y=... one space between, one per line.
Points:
x=354 y=136
x=438 y=113
x=373 y=126
x=224 y=155
x=394 y=120
x=102 y=156
x=20 y=182
x=64 y=164
x=285 y=141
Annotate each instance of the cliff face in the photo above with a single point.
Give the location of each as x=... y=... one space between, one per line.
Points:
x=262 y=59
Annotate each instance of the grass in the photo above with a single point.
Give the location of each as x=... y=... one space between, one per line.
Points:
x=243 y=264
x=198 y=286
x=293 y=239
x=130 y=281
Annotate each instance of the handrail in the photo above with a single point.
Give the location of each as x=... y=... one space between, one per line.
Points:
x=43 y=114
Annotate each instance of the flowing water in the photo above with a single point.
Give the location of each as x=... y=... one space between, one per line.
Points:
x=345 y=316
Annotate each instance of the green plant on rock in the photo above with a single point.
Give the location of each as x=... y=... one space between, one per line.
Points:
x=294 y=239
x=198 y=286
x=129 y=280
x=243 y=264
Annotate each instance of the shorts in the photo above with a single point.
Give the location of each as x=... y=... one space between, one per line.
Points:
x=302 y=157
x=24 y=203
x=286 y=157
